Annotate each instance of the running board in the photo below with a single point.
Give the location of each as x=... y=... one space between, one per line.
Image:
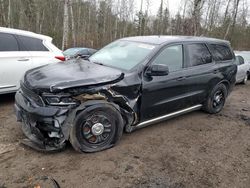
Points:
x=165 y=117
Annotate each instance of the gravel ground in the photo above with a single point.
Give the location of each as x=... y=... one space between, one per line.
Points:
x=193 y=150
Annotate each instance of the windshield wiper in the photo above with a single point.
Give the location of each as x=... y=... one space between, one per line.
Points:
x=96 y=62
x=99 y=63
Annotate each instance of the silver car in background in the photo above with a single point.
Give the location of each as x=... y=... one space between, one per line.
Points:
x=243 y=63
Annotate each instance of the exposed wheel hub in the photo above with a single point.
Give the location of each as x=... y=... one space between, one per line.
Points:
x=97 y=129
x=218 y=99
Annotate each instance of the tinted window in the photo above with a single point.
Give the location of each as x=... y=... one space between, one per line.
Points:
x=92 y=51
x=239 y=60
x=244 y=54
x=172 y=57
x=31 y=44
x=8 y=42
x=83 y=52
x=198 y=54
x=221 y=52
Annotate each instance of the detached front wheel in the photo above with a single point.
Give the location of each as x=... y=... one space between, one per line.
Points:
x=96 y=128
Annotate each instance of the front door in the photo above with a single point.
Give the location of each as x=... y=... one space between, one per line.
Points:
x=164 y=94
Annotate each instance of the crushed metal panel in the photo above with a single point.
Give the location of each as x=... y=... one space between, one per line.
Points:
x=84 y=97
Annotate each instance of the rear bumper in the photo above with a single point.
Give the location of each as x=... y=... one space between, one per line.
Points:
x=41 y=125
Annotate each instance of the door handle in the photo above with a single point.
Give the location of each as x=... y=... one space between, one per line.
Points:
x=181 y=78
x=24 y=59
x=216 y=71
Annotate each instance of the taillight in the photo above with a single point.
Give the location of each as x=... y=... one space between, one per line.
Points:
x=61 y=58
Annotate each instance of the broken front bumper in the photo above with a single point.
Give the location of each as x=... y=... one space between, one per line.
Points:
x=40 y=124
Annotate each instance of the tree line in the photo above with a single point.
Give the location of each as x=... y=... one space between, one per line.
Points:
x=94 y=23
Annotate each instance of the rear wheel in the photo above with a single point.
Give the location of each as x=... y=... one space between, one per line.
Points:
x=96 y=128
x=216 y=100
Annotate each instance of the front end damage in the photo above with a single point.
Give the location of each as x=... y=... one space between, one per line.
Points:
x=41 y=124
x=47 y=122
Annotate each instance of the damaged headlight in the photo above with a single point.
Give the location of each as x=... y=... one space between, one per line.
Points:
x=59 y=100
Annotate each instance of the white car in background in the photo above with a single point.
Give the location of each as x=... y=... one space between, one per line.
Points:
x=20 y=51
x=243 y=63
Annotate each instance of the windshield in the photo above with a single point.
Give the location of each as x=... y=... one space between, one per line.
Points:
x=244 y=54
x=122 y=54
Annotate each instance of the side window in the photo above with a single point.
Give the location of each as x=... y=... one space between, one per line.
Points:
x=172 y=57
x=198 y=54
x=221 y=52
x=239 y=60
x=92 y=51
x=8 y=42
x=83 y=52
x=31 y=44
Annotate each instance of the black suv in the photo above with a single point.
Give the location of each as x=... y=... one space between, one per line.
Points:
x=129 y=84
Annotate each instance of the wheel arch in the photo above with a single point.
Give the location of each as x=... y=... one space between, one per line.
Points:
x=215 y=82
x=226 y=83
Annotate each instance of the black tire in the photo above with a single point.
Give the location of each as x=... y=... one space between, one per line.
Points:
x=216 y=100
x=86 y=134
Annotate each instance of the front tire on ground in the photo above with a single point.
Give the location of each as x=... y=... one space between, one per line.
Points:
x=216 y=100
x=96 y=128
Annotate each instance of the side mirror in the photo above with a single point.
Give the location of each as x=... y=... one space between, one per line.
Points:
x=157 y=70
x=240 y=60
x=82 y=56
x=85 y=56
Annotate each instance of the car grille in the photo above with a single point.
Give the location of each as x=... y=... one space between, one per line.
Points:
x=31 y=95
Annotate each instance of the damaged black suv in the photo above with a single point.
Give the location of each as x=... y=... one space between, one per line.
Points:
x=129 y=84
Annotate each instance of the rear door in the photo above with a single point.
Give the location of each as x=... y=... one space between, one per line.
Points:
x=13 y=63
x=39 y=53
x=200 y=70
x=225 y=59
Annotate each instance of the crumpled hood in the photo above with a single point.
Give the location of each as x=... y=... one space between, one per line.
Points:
x=68 y=74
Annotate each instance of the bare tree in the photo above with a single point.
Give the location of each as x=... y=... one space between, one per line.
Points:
x=3 y=12
x=72 y=24
x=65 y=24
x=196 y=14
x=226 y=11
x=9 y=14
x=232 y=24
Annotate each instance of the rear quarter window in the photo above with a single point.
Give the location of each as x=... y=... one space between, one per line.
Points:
x=221 y=52
x=31 y=44
x=8 y=42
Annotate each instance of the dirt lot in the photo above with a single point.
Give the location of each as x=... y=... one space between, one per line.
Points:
x=194 y=150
